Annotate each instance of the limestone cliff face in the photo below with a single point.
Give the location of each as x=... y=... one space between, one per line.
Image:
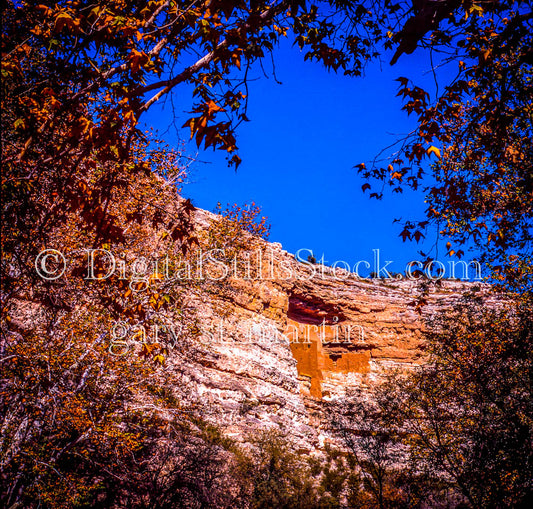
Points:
x=281 y=336
x=275 y=338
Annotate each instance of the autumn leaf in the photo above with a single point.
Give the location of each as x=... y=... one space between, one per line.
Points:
x=433 y=150
x=64 y=20
x=405 y=234
x=213 y=107
x=418 y=235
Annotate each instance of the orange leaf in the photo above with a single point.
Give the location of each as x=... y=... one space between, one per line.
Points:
x=433 y=150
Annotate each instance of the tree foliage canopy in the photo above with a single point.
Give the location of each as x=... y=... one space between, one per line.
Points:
x=456 y=431
x=477 y=132
x=78 y=76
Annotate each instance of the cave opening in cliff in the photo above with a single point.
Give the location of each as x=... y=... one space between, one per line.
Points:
x=312 y=310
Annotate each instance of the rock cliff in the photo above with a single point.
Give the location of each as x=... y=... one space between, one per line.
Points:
x=275 y=338
x=280 y=336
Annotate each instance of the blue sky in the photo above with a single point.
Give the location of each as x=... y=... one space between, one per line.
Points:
x=298 y=153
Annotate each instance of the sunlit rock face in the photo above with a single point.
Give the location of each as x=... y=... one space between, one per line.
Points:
x=277 y=339
x=285 y=336
x=348 y=333
x=323 y=350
